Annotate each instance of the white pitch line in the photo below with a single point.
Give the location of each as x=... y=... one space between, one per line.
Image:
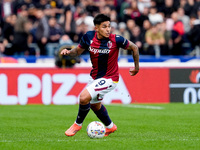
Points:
x=63 y=140
x=139 y=106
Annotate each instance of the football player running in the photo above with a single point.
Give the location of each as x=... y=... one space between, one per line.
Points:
x=103 y=47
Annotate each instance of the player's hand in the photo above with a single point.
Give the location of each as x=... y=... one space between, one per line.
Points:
x=133 y=71
x=65 y=52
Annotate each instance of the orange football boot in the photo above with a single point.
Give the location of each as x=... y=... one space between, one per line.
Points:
x=113 y=129
x=73 y=130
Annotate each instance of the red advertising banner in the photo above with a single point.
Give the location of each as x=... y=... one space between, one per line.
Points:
x=63 y=86
x=150 y=85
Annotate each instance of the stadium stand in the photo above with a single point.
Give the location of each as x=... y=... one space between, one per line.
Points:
x=33 y=31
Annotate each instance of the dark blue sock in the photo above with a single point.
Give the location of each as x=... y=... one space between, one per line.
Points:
x=82 y=113
x=102 y=114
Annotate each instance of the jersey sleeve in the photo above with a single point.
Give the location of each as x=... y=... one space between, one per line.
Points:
x=84 y=42
x=121 y=41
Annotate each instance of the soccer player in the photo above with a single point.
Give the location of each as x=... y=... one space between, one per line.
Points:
x=103 y=47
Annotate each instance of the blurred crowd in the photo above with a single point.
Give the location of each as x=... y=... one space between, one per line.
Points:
x=165 y=27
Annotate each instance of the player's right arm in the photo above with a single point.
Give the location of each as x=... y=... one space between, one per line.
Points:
x=73 y=52
x=83 y=45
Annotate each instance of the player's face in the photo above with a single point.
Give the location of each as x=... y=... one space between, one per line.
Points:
x=103 y=30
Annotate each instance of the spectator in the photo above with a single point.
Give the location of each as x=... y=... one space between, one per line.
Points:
x=189 y=7
x=49 y=8
x=132 y=12
x=21 y=34
x=198 y=14
x=123 y=31
x=196 y=6
x=177 y=35
x=113 y=15
x=28 y=4
x=109 y=11
x=86 y=20
x=193 y=35
x=31 y=7
x=153 y=4
x=8 y=28
x=42 y=31
x=123 y=7
x=8 y=33
x=184 y=18
x=168 y=8
x=142 y=4
x=91 y=8
x=100 y=4
x=162 y=28
x=7 y=8
x=1 y=26
x=79 y=12
x=65 y=40
x=69 y=22
x=42 y=4
x=55 y=33
x=183 y=3
x=154 y=40
x=81 y=29
x=130 y=25
x=2 y=46
x=136 y=37
x=144 y=16
x=114 y=27
x=111 y=2
x=146 y=26
x=154 y=16
x=106 y=10
x=75 y=17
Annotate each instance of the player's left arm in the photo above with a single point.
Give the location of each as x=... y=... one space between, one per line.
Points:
x=135 y=54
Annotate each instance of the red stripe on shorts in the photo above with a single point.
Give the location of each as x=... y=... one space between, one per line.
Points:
x=100 y=89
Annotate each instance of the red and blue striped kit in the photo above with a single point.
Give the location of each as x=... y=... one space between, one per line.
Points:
x=103 y=54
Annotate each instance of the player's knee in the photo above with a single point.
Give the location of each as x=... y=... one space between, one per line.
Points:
x=85 y=97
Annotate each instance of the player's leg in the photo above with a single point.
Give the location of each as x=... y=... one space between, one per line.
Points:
x=101 y=87
x=84 y=108
x=102 y=113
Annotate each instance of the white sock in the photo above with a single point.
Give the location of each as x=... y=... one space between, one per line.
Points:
x=79 y=124
x=110 y=125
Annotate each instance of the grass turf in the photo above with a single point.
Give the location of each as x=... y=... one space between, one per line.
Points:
x=140 y=127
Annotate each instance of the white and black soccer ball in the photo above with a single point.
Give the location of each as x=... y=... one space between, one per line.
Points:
x=96 y=129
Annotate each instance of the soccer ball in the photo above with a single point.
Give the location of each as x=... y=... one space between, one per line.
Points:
x=96 y=129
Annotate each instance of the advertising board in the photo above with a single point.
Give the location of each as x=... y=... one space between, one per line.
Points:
x=185 y=85
x=63 y=86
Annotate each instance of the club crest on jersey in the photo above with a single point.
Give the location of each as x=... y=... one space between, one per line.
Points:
x=109 y=44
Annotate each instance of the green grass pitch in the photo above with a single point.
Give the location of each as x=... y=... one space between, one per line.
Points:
x=172 y=126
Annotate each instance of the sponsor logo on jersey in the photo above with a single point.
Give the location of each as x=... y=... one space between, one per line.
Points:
x=94 y=50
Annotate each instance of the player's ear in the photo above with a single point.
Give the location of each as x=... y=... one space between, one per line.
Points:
x=96 y=28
